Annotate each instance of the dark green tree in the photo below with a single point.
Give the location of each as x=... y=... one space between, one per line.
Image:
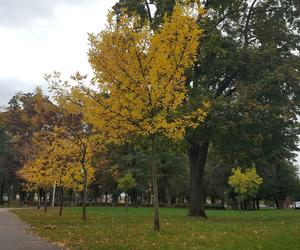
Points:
x=249 y=48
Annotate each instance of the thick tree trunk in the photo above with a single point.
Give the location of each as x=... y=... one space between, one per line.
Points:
x=156 y=224
x=197 y=156
x=61 y=201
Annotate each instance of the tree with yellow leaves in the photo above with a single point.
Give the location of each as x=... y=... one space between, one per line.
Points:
x=77 y=138
x=245 y=184
x=63 y=153
x=76 y=131
x=65 y=160
x=36 y=171
x=140 y=81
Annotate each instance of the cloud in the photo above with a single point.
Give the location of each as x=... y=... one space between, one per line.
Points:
x=45 y=35
x=25 y=12
x=10 y=86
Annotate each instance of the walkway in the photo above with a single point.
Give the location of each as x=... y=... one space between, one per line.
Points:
x=14 y=235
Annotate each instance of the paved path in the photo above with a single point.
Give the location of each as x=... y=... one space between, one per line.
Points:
x=14 y=235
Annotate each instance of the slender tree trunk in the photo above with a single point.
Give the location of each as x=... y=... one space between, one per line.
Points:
x=84 y=196
x=39 y=198
x=280 y=204
x=149 y=198
x=71 y=197
x=257 y=204
x=254 y=204
x=245 y=205
x=45 y=201
x=96 y=196
x=2 y=193
x=61 y=201
x=53 y=195
x=197 y=156
x=156 y=223
x=167 y=194
x=9 y=196
x=126 y=202
x=222 y=202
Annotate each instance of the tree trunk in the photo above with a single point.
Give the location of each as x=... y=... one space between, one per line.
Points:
x=8 y=196
x=156 y=224
x=167 y=194
x=84 y=197
x=2 y=193
x=280 y=204
x=45 y=202
x=257 y=204
x=39 y=198
x=106 y=198
x=126 y=202
x=53 y=195
x=254 y=204
x=61 y=201
x=197 y=156
x=96 y=196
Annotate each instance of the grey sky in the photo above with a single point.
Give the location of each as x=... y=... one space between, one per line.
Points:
x=24 y=12
x=39 y=36
x=10 y=86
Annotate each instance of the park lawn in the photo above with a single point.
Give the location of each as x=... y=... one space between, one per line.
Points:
x=114 y=228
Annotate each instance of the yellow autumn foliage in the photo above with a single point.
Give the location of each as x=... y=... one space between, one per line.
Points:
x=140 y=82
x=245 y=183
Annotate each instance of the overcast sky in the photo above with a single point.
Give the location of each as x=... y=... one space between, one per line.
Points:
x=39 y=36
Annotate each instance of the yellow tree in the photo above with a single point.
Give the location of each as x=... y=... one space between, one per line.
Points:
x=79 y=135
x=245 y=184
x=36 y=171
x=73 y=130
x=140 y=80
x=65 y=162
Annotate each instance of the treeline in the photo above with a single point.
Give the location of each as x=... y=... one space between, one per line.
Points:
x=23 y=126
x=179 y=98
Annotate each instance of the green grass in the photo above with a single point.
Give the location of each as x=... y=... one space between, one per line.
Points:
x=113 y=228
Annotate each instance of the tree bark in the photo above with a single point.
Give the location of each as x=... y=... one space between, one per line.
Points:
x=61 y=201
x=2 y=193
x=156 y=224
x=167 y=194
x=39 y=198
x=45 y=202
x=8 y=196
x=126 y=202
x=84 y=184
x=257 y=204
x=84 y=198
x=197 y=156
x=53 y=195
x=280 y=204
